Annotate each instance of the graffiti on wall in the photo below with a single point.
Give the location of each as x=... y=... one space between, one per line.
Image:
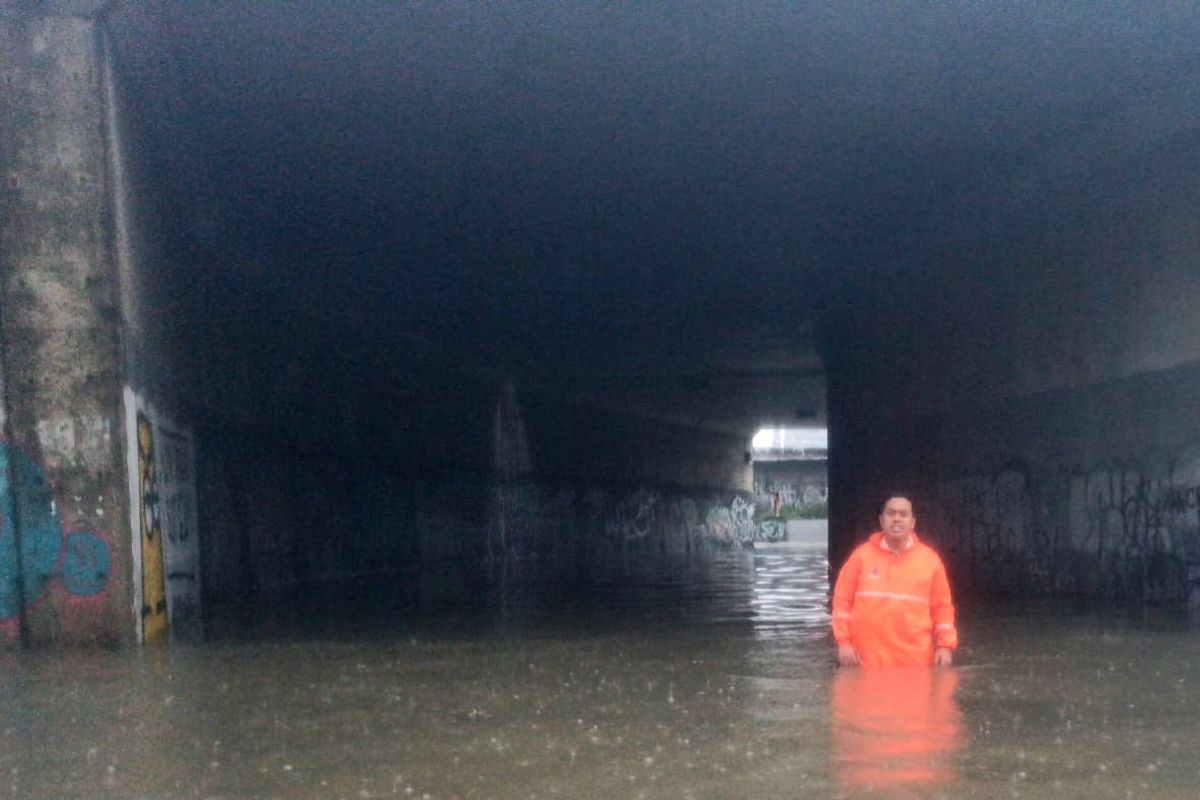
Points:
x=988 y=526
x=987 y=515
x=525 y=519
x=166 y=547
x=38 y=548
x=1110 y=529
x=630 y=517
x=153 y=607
x=177 y=520
x=791 y=489
x=772 y=529
x=1141 y=528
x=732 y=524
x=528 y=519
x=793 y=494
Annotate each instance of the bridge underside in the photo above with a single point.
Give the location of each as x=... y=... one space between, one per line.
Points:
x=302 y=298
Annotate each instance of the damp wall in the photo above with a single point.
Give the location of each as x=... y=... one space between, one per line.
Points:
x=490 y=478
x=65 y=559
x=97 y=502
x=580 y=481
x=1052 y=449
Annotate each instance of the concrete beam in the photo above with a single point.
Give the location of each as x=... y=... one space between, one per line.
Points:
x=64 y=565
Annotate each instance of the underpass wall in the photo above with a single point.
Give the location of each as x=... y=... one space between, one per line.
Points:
x=159 y=364
x=1091 y=493
x=299 y=520
x=97 y=493
x=299 y=523
x=592 y=483
x=64 y=553
x=186 y=439
x=1037 y=391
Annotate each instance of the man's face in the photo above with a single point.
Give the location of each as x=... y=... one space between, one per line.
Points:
x=897 y=521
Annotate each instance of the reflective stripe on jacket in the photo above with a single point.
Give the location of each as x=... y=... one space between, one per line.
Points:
x=892 y=607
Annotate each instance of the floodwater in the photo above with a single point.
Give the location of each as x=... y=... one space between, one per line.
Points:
x=711 y=680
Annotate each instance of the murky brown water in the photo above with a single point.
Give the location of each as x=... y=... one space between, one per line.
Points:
x=703 y=681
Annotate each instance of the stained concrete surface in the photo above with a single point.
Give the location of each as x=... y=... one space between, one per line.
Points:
x=700 y=683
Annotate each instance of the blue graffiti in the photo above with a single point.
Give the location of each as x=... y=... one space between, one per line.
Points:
x=85 y=565
x=27 y=566
x=41 y=532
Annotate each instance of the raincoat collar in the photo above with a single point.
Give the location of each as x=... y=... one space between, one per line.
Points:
x=881 y=542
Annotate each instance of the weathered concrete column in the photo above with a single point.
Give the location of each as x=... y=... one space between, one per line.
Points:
x=65 y=572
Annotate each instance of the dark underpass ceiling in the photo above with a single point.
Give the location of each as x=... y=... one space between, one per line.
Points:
x=646 y=203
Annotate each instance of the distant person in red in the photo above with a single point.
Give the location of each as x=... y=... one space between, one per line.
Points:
x=891 y=601
x=776 y=502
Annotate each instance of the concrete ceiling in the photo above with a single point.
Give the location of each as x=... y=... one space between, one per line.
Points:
x=640 y=203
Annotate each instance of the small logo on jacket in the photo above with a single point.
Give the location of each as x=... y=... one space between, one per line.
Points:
x=874 y=573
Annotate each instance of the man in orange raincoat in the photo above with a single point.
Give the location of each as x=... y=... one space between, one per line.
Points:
x=891 y=602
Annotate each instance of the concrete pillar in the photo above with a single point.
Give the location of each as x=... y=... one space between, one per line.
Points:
x=65 y=571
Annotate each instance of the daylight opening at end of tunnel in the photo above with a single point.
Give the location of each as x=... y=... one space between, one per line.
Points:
x=791 y=485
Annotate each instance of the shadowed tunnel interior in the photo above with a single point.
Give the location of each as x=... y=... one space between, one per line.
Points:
x=392 y=291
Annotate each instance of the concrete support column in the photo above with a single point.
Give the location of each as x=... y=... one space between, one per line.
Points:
x=65 y=572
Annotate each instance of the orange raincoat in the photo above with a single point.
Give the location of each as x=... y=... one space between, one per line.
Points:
x=893 y=607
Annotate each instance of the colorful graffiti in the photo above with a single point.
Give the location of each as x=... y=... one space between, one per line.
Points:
x=44 y=550
x=154 y=582
x=166 y=547
x=86 y=564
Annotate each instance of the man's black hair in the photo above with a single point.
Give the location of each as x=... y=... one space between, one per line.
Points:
x=893 y=495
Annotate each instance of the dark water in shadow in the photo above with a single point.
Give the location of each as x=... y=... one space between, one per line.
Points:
x=711 y=680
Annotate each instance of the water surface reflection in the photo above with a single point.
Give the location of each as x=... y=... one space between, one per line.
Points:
x=683 y=680
x=896 y=732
